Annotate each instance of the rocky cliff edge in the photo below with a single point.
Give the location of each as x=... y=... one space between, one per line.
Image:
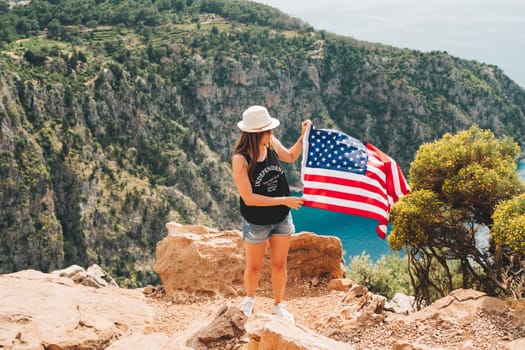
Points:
x=196 y=306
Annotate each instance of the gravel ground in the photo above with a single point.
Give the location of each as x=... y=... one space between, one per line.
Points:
x=312 y=307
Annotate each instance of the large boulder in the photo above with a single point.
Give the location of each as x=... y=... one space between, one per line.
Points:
x=45 y=311
x=203 y=261
x=268 y=332
x=199 y=260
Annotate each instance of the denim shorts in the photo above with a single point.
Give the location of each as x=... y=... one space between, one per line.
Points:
x=253 y=233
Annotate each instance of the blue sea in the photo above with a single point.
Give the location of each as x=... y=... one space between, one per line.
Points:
x=357 y=234
x=521 y=169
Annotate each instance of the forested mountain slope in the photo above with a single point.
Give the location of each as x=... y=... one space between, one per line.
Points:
x=119 y=116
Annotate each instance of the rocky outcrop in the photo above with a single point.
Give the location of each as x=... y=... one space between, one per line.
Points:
x=39 y=310
x=85 y=309
x=98 y=151
x=202 y=261
x=448 y=316
x=45 y=311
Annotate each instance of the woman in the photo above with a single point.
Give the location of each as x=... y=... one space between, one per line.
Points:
x=265 y=202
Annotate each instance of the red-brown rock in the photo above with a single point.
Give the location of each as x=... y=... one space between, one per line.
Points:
x=201 y=261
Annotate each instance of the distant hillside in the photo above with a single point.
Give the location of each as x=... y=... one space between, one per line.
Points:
x=119 y=116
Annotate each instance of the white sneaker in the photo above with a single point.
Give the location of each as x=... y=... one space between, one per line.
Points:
x=247 y=306
x=280 y=311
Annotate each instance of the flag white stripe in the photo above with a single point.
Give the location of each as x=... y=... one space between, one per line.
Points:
x=347 y=189
x=380 y=173
x=345 y=175
x=395 y=177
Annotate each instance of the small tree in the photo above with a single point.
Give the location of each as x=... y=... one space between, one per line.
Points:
x=55 y=29
x=456 y=183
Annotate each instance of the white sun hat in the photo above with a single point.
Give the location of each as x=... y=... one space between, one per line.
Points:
x=257 y=119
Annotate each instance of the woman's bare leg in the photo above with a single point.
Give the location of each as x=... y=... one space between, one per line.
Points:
x=254 y=262
x=279 y=254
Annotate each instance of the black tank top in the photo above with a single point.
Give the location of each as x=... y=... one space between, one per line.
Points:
x=268 y=180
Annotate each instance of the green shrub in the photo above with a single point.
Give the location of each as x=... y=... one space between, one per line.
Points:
x=387 y=276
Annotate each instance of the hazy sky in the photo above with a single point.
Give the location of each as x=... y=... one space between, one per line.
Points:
x=488 y=31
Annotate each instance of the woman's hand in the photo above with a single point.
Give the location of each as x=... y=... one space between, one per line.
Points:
x=304 y=126
x=292 y=154
x=294 y=202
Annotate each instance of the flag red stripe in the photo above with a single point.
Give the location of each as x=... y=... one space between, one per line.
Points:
x=347 y=196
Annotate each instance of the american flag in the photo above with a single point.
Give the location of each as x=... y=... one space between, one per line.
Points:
x=341 y=173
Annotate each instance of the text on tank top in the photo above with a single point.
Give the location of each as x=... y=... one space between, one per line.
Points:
x=268 y=180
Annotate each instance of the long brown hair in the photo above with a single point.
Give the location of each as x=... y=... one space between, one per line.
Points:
x=248 y=143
